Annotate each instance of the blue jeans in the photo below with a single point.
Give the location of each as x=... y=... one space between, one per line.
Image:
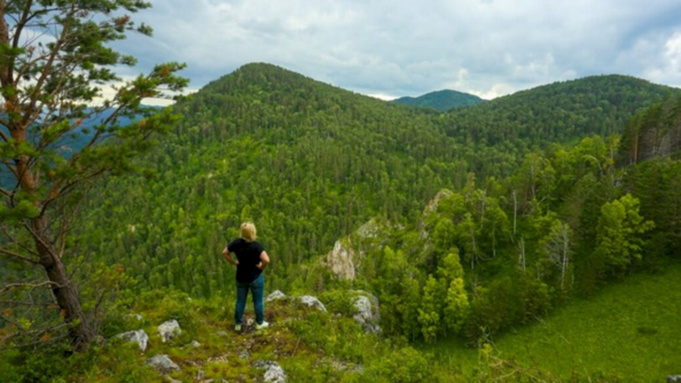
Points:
x=257 y=287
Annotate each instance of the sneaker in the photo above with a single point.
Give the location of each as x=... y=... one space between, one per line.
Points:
x=262 y=326
x=237 y=327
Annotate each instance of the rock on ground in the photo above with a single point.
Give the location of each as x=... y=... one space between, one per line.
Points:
x=311 y=301
x=275 y=296
x=273 y=373
x=138 y=336
x=168 y=330
x=163 y=363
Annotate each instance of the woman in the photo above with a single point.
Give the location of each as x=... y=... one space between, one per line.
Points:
x=251 y=260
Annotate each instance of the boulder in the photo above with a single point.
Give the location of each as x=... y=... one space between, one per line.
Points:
x=168 y=330
x=138 y=336
x=368 y=315
x=275 y=295
x=163 y=363
x=311 y=301
x=273 y=371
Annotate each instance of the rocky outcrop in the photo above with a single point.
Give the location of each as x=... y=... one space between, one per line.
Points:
x=435 y=202
x=137 y=336
x=368 y=315
x=346 y=257
x=431 y=208
x=653 y=133
x=339 y=260
x=163 y=363
x=168 y=330
x=311 y=301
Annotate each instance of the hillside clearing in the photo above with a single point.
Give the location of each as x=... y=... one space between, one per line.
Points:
x=629 y=330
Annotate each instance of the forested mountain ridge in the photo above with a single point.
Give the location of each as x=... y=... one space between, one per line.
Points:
x=562 y=112
x=441 y=100
x=310 y=163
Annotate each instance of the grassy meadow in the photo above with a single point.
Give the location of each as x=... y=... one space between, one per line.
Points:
x=630 y=331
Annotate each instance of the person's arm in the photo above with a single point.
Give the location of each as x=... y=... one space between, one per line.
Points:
x=228 y=257
x=264 y=260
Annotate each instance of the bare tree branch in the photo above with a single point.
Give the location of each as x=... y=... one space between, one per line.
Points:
x=23 y=303
x=18 y=256
x=31 y=286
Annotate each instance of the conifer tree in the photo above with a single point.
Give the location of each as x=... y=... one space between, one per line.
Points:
x=59 y=131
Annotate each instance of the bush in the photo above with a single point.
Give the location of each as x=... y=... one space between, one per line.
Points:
x=339 y=302
x=403 y=366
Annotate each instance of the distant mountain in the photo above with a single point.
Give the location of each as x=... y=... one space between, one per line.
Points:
x=441 y=100
x=558 y=112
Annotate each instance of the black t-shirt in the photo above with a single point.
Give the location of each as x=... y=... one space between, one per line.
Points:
x=248 y=255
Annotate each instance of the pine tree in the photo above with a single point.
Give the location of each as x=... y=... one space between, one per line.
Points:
x=54 y=64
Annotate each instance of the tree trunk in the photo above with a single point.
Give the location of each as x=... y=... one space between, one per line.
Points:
x=81 y=331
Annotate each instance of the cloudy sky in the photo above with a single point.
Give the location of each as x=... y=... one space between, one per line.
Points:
x=393 y=48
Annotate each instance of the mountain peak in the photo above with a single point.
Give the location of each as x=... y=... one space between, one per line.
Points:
x=441 y=100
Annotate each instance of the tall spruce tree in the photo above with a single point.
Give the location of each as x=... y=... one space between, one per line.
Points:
x=54 y=67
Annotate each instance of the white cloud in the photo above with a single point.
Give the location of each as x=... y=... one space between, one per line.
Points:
x=667 y=70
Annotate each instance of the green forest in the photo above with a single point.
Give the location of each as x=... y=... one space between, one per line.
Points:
x=467 y=225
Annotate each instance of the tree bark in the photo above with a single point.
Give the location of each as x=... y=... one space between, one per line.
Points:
x=81 y=331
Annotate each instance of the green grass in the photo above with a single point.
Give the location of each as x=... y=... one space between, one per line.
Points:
x=630 y=330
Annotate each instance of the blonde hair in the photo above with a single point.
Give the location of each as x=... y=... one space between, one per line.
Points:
x=248 y=231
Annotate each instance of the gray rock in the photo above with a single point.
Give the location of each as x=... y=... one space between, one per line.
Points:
x=138 y=336
x=674 y=379
x=168 y=330
x=275 y=295
x=368 y=315
x=163 y=363
x=311 y=301
x=273 y=371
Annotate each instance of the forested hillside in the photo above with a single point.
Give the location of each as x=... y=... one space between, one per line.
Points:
x=309 y=163
x=441 y=100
